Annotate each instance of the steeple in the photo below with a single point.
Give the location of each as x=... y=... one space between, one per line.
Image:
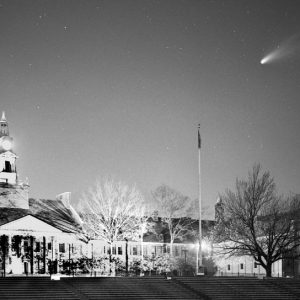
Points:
x=3 y=116
x=3 y=125
x=13 y=193
x=8 y=173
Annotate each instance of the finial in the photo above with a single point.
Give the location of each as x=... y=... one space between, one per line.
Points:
x=3 y=119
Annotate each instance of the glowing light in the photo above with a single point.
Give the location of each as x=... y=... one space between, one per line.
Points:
x=285 y=50
x=6 y=145
x=268 y=58
x=264 y=60
x=206 y=246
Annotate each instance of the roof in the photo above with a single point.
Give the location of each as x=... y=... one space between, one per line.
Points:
x=53 y=212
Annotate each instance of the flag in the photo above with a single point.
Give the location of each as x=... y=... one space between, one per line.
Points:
x=199 y=137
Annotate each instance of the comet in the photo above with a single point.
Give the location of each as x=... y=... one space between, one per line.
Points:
x=287 y=49
x=268 y=58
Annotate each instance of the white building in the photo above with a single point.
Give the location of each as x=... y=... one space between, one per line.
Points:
x=44 y=236
x=33 y=233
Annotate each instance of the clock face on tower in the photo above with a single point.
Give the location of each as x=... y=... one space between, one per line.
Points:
x=6 y=143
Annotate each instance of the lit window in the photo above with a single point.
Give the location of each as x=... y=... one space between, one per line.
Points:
x=158 y=250
x=145 y=250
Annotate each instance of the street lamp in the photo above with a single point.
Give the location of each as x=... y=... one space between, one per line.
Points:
x=205 y=246
x=201 y=248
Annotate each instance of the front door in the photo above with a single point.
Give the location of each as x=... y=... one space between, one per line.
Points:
x=26 y=268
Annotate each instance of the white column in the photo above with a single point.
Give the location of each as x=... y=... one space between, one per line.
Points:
x=9 y=252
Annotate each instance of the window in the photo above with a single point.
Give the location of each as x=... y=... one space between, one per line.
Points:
x=49 y=246
x=119 y=250
x=255 y=265
x=145 y=250
x=7 y=166
x=228 y=267
x=158 y=250
x=62 y=248
x=25 y=246
x=113 y=250
x=153 y=249
x=242 y=266
x=134 y=250
x=37 y=246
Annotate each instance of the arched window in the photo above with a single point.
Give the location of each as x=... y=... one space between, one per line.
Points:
x=7 y=167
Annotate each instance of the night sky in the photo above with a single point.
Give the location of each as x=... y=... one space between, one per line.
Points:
x=117 y=88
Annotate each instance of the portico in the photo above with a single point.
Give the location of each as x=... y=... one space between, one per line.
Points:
x=30 y=246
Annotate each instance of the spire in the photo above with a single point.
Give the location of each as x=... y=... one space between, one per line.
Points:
x=3 y=125
x=3 y=119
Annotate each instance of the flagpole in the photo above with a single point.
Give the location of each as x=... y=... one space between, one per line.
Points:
x=199 y=256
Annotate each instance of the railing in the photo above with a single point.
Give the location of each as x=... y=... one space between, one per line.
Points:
x=240 y=274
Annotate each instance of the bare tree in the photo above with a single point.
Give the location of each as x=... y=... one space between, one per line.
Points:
x=174 y=210
x=255 y=221
x=112 y=211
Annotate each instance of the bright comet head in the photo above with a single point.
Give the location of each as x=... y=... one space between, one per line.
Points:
x=263 y=61
x=267 y=58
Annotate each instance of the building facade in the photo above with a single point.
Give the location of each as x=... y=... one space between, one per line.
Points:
x=42 y=236
x=245 y=265
x=35 y=235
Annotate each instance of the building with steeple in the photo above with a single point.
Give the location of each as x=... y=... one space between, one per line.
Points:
x=7 y=157
x=42 y=236
x=34 y=233
x=13 y=193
